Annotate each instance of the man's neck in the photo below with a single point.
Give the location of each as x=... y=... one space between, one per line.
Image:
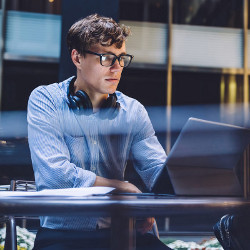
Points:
x=97 y=99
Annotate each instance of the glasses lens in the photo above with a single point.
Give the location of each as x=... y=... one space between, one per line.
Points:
x=125 y=60
x=107 y=59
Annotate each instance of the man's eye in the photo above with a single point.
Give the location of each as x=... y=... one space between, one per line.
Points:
x=108 y=58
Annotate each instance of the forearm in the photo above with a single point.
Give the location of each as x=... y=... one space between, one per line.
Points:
x=120 y=186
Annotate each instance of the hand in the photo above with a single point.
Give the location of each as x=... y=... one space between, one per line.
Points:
x=126 y=187
x=121 y=186
x=144 y=225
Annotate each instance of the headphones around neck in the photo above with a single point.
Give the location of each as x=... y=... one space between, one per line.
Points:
x=81 y=103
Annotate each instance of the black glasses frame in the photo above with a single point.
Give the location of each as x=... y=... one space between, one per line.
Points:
x=115 y=57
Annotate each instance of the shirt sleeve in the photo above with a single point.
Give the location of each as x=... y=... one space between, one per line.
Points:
x=147 y=153
x=49 y=153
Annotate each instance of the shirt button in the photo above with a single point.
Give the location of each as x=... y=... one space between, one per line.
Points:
x=94 y=142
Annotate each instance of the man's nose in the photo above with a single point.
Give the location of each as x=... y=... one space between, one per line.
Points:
x=116 y=67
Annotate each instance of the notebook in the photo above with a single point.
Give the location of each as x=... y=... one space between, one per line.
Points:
x=206 y=160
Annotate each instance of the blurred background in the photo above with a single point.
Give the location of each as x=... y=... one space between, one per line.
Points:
x=191 y=60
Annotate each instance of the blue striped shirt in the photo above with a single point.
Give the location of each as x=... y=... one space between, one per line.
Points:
x=68 y=149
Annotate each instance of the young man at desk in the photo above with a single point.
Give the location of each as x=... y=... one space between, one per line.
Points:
x=82 y=132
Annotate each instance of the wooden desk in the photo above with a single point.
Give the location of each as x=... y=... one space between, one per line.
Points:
x=122 y=209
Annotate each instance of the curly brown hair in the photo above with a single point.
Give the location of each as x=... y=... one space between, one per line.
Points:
x=96 y=29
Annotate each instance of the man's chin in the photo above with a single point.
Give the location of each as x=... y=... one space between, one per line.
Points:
x=112 y=91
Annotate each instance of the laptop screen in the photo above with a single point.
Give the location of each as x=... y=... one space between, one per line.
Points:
x=207 y=159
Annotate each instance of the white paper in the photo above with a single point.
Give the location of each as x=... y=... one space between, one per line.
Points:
x=74 y=192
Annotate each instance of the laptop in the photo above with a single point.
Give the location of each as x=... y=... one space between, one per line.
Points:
x=206 y=160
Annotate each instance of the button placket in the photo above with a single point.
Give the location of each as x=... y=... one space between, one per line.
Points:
x=94 y=147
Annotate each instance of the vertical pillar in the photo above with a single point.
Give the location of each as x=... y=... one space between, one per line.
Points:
x=11 y=237
x=123 y=235
x=245 y=63
x=169 y=75
x=246 y=161
x=2 y=47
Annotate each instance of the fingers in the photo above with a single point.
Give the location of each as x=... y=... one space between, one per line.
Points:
x=126 y=187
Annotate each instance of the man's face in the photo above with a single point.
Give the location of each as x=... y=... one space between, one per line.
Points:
x=95 y=78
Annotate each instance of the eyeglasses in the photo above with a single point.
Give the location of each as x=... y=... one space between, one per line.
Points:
x=108 y=59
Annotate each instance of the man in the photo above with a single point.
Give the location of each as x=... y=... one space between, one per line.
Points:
x=82 y=132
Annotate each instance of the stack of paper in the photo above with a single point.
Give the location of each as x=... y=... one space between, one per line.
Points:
x=75 y=192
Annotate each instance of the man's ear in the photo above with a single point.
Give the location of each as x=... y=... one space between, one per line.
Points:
x=75 y=56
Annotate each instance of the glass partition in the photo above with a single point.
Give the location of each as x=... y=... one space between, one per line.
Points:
x=148 y=22
x=148 y=42
x=32 y=35
x=208 y=33
x=37 y=6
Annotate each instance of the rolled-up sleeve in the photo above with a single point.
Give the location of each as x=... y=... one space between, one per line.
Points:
x=147 y=152
x=49 y=152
